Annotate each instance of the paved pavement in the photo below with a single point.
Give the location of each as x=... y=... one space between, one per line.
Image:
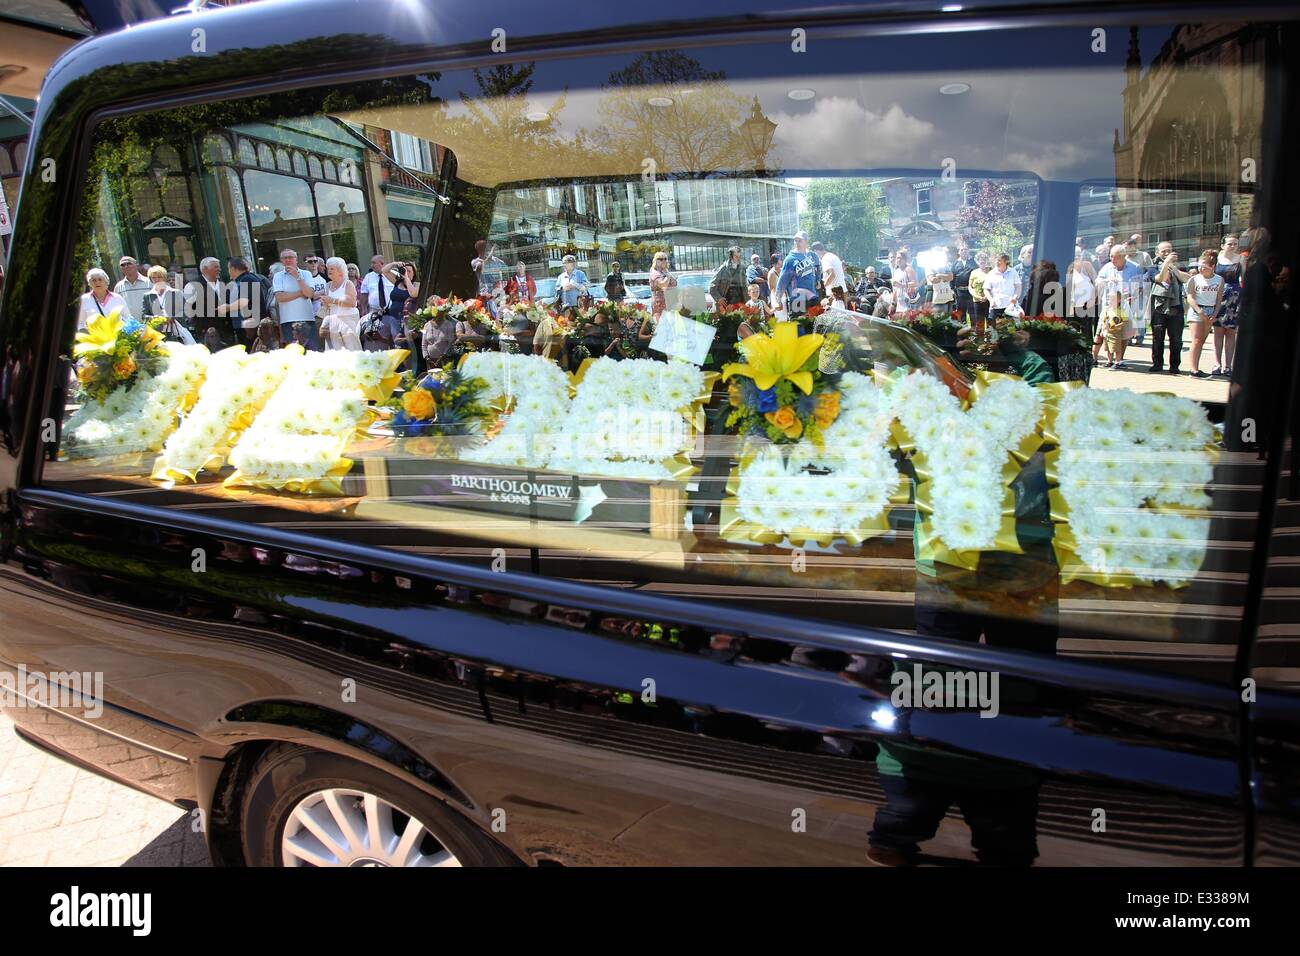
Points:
x=1139 y=378
x=55 y=814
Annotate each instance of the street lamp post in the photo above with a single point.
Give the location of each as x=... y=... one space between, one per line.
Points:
x=758 y=131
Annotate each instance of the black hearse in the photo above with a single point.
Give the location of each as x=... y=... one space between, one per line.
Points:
x=410 y=666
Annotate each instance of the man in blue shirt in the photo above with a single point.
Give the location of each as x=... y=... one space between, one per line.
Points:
x=571 y=283
x=796 y=286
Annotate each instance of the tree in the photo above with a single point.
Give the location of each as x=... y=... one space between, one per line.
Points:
x=986 y=222
x=664 y=106
x=847 y=215
x=495 y=132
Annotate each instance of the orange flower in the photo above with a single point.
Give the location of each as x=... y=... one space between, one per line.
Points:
x=419 y=403
x=86 y=374
x=828 y=408
x=495 y=428
x=786 y=420
x=124 y=367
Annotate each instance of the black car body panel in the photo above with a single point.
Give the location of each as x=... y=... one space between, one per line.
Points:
x=522 y=692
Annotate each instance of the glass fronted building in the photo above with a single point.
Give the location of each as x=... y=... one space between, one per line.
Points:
x=256 y=189
x=693 y=220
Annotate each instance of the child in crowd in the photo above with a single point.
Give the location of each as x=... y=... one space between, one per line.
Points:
x=762 y=309
x=1114 y=330
x=268 y=337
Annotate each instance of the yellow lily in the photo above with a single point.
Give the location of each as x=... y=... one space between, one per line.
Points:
x=151 y=338
x=770 y=358
x=100 y=335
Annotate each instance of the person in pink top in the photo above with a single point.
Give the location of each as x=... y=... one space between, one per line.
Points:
x=660 y=281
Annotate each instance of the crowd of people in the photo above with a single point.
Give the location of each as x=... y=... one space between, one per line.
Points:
x=322 y=303
x=1116 y=293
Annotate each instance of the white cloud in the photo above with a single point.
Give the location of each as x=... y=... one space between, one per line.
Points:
x=841 y=133
x=1050 y=159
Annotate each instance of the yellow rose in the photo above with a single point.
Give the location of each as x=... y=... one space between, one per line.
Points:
x=419 y=403
x=124 y=367
x=785 y=419
x=151 y=339
x=86 y=374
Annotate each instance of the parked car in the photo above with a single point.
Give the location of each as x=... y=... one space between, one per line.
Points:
x=546 y=291
x=697 y=280
x=423 y=659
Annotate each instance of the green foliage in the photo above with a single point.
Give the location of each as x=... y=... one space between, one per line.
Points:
x=847 y=215
x=987 y=221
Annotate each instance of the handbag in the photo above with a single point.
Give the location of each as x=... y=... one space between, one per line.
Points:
x=373 y=328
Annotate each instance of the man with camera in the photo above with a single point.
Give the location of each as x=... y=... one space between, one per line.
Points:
x=1165 y=304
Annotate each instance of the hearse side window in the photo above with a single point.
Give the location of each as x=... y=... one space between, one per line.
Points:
x=795 y=333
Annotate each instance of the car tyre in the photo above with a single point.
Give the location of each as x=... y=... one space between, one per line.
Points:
x=309 y=807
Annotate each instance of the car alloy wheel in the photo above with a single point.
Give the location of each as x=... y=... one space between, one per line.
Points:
x=346 y=827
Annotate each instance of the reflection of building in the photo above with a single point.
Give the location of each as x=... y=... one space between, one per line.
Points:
x=923 y=213
x=696 y=220
x=254 y=190
x=1191 y=121
x=13 y=155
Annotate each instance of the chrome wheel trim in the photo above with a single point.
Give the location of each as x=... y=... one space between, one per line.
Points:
x=344 y=827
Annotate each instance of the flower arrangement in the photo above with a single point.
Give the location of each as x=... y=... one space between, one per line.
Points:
x=961 y=456
x=843 y=489
x=139 y=418
x=374 y=373
x=730 y=315
x=296 y=442
x=928 y=322
x=568 y=326
x=446 y=401
x=235 y=389
x=1131 y=470
x=452 y=308
x=779 y=393
x=113 y=352
x=620 y=311
x=533 y=396
x=1045 y=325
x=631 y=418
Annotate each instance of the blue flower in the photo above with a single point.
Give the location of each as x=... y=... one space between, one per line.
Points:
x=805 y=405
x=767 y=399
x=432 y=384
x=403 y=424
x=132 y=326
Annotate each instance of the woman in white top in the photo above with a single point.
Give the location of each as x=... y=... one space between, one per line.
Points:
x=100 y=300
x=1081 y=281
x=939 y=282
x=160 y=302
x=338 y=308
x=1204 y=297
